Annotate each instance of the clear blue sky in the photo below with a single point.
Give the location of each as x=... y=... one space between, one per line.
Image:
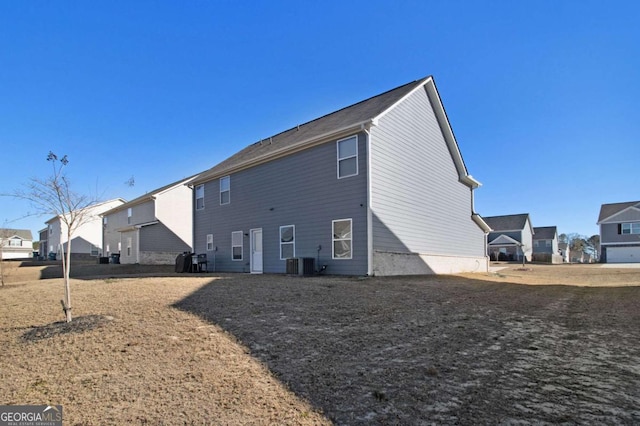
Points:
x=543 y=96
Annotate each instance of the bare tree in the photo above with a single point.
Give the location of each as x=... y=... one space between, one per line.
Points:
x=53 y=196
x=4 y=240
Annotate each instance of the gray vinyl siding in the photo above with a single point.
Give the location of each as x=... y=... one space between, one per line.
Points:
x=301 y=189
x=418 y=203
x=159 y=238
x=609 y=234
x=142 y=213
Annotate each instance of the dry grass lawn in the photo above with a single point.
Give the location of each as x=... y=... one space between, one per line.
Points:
x=245 y=349
x=137 y=360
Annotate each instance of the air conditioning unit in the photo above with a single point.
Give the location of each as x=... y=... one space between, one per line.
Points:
x=306 y=266
x=292 y=266
x=300 y=266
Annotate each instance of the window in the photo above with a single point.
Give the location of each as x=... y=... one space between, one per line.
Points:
x=547 y=243
x=104 y=220
x=535 y=243
x=94 y=250
x=225 y=190
x=342 y=239
x=630 y=228
x=348 y=157
x=209 y=242
x=287 y=242
x=199 y=197
x=129 y=246
x=50 y=230
x=15 y=242
x=236 y=245
x=129 y=215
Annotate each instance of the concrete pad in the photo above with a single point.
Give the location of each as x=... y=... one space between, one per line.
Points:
x=621 y=265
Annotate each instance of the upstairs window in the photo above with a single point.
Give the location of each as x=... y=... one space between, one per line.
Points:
x=630 y=228
x=15 y=242
x=347 y=157
x=342 y=239
x=287 y=242
x=199 y=197
x=225 y=190
x=129 y=215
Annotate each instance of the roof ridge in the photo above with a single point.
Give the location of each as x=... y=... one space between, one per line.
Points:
x=297 y=127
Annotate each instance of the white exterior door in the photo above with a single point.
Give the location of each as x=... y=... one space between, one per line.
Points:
x=256 y=251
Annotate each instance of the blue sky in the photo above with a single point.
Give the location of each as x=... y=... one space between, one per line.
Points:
x=542 y=96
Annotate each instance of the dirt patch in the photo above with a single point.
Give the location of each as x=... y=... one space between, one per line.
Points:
x=247 y=349
x=446 y=350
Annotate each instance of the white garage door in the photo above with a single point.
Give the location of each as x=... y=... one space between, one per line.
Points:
x=623 y=254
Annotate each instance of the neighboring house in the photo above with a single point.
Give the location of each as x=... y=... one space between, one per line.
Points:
x=153 y=228
x=620 y=232
x=563 y=249
x=511 y=236
x=579 y=256
x=376 y=188
x=43 y=247
x=545 y=245
x=16 y=243
x=87 y=238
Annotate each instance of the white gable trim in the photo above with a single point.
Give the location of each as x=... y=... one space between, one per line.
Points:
x=611 y=218
x=505 y=240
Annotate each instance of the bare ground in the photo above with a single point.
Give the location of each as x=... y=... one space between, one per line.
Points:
x=246 y=349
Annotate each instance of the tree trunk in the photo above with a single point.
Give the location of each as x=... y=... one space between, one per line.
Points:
x=66 y=266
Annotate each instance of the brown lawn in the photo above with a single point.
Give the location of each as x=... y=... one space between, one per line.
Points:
x=270 y=349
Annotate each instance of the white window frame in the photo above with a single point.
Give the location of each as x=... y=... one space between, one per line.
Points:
x=237 y=236
x=129 y=214
x=547 y=243
x=287 y=243
x=209 y=242
x=339 y=159
x=15 y=242
x=632 y=228
x=200 y=196
x=226 y=179
x=334 y=239
x=129 y=240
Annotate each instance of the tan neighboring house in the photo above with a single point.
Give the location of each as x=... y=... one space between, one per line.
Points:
x=151 y=229
x=16 y=243
x=87 y=239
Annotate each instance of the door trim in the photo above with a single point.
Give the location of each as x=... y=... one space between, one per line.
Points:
x=252 y=232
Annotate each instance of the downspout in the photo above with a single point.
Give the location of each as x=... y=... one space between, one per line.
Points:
x=365 y=129
x=138 y=246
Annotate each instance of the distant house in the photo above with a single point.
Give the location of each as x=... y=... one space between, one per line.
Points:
x=376 y=188
x=511 y=237
x=16 y=243
x=87 y=239
x=545 y=245
x=153 y=228
x=563 y=249
x=620 y=232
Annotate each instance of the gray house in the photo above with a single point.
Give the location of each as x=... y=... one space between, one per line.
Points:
x=511 y=237
x=620 y=232
x=151 y=229
x=376 y=188
x=545 y=244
